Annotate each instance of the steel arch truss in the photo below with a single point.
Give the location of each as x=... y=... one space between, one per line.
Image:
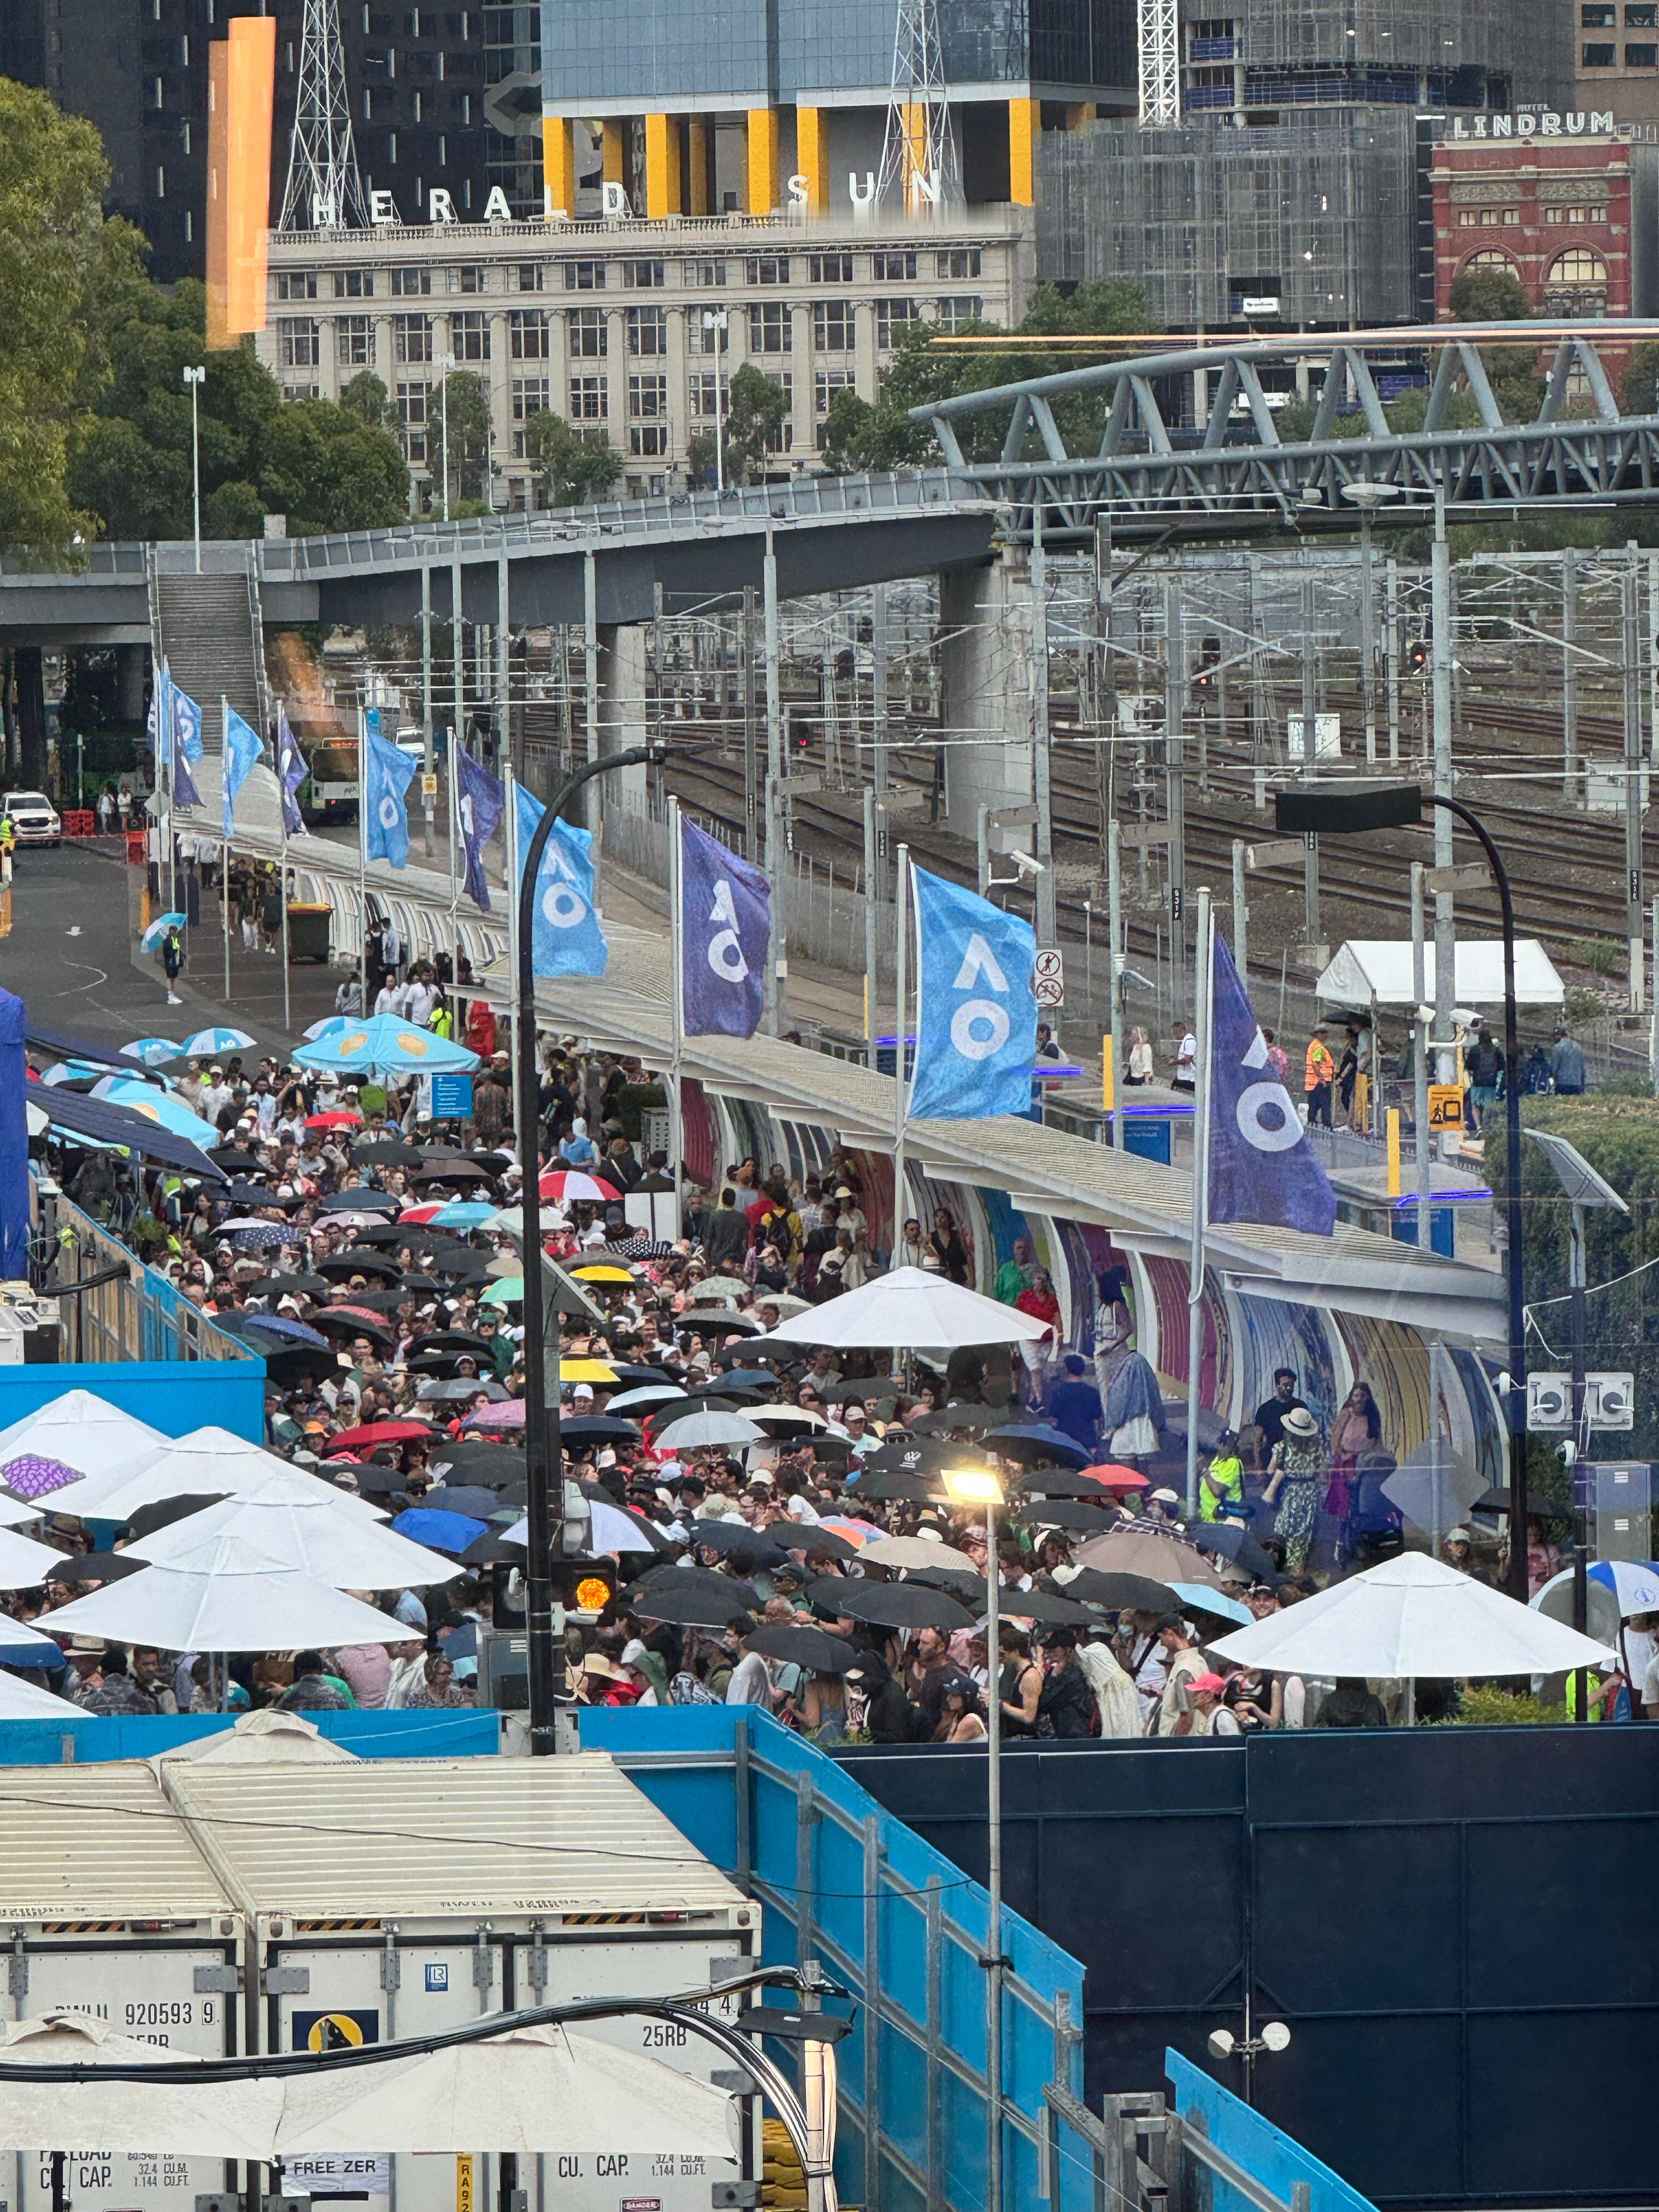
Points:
x=1146 y=478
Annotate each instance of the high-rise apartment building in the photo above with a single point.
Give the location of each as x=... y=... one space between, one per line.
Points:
x=423 y=82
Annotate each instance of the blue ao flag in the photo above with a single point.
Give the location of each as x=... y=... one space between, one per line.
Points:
x=290 y=775
x=480 y=805
x=725 y=936
x=568 y=940
x=1261 y=1166
x=387 y=773
x=14 y=1144
x=242 y=753
x=976 y=1011
x=186 y=744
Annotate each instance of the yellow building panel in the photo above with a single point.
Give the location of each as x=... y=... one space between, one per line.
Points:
x=763 y=160
x=662 y=166
x=812 y=156
x=558 y=165
x=1025 y=128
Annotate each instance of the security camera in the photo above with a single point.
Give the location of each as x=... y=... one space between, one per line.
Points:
x=1221 y=2043
x=1029 y=864
x=1566 y=1451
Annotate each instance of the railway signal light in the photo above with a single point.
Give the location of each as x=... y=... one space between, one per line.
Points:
x=1417 y=659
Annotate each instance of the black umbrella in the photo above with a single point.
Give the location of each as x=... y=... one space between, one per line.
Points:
x=640 y=1378
x=297 y=1361
x=1131 y=1593
x=490 y=1550
x=162 y=1512
x=914 y=1488
x=375 y=1481
x=738 y=1536
x=1045 y=1606
x=385 y=1301
x=1035 y=1443
x=703 y=1318
x=328 y=1319
x=385 y=1153
x=357 y=1201
x=358 y=1260
x=806 y=1537
x=1065 y=1513
x=669 y=1581
x=598 y=1429
x=457 y=1170
x=259 y=1195
x=902 y=1454
x=234 y=1161
x=470 y=1498
x=1227 y=1541
x=381 y=1234
x=445 y=1362
x=454 y=1340
x=287 y=1286
x=745 y=1355
x=100 y=1566
x=957 y=1418
x=730 y=1386
x=494 y=1163
x=815 y=1649
x=888 y=1605
x=496 y=1466
x=1061 y=1482
x=462 y=1391
x=692 y=1598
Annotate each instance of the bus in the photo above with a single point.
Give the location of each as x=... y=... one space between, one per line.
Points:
x=329 y=792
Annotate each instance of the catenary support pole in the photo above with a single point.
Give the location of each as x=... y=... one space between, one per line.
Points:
x=1203 y=1025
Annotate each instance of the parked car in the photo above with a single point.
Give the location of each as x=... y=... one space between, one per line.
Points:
x=34 y=817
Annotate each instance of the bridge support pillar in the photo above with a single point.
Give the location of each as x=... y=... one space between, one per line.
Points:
x=132 y=667
x=623 y=709
x=985 y=628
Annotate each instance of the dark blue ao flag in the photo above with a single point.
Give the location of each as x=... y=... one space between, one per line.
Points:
x=290 y=775
x=568 y=939
x=725 y=936
x=386 y=773
x=14 y=1144
x=976 y=1011
x=241 y=754
x=181 y=733
x=480 y=804
x=1261 y=1166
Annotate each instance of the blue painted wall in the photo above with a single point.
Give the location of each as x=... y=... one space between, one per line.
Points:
x=173 y=1396
x=459 y=1734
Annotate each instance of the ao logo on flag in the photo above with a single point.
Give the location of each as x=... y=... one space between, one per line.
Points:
x=726 y=955
x=388 y=811
x=562 y=904
x=1270 y=1098
x=980 y=1027
x=466 y=813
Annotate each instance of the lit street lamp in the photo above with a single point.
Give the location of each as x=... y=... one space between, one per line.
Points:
x=195 y=379
x=1357 y=812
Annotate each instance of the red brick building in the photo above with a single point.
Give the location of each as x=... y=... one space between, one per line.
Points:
x=1571 y=216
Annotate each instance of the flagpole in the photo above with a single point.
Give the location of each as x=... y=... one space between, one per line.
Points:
x=900 y=964
x=362 y=860
x=224 y=850
x=529 y=1160
x=1204 y=1014
x=454 y=881
x=282 y=811
x=676 y=1000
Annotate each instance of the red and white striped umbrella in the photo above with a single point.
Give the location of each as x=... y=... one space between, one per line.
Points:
x=567 y=1184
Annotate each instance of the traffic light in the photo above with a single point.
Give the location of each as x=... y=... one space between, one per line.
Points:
x=585 y=1587
x=1417 y=659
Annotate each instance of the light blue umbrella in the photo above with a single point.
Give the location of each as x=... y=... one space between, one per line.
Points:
x=164 y=1111
x=386 y=1043
x=153 y=1050
x=1209 y=1601
x=107 y=1085
x=462 y=1213
x=206 y=1042
x=328 y=1025
x=151 y=939
x=68 y=1071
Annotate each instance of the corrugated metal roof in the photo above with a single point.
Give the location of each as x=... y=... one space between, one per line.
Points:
x=98 y=1843
x=425 y=1839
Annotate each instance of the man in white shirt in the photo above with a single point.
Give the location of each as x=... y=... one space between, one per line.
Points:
x=1185 y=1069
x=751 y=1681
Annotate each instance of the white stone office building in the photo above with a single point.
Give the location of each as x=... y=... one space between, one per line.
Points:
x=625 y=325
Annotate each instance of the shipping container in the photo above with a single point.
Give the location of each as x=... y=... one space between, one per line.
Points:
x=400 y=1898
x=106 y=1907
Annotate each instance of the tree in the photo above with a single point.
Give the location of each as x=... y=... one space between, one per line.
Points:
x=754 y=417
x=55 y=250
x=366 y=395
x=1489 y=295
x=574 y=466
x=1639 y=387
x=465 y=468
x=845 y=427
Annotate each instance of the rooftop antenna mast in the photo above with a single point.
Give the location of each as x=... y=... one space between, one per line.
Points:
x=919 y=155
x=1160 y=40
x=323 y=190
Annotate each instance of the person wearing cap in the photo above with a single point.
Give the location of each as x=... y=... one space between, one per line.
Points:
x=1296 y=1475
x=1210 y=1716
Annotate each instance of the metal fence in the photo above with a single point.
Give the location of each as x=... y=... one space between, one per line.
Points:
x=135 y=1314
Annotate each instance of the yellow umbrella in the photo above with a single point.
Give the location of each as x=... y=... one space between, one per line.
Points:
x=600 y=1275
x=586 y=1370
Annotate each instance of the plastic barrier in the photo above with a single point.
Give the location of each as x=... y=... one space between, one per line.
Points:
x=80 y=822
x=138 y=848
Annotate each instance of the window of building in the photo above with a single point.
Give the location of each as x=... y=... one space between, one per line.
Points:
x=707 y=400
x=771 y=328
x=584 y=275
x=706 y=276
x=1599 y=16
x=299 y=342
x=955 y=314
x=642 y=274
x=782 y=439
x=589 y=336
x=1490 y=257
x=529 y=276
x=648 y=398
x=894 y=267
x=1641 y=56
x=411 y=284
x=829 y=268
x=1576 y=211
x=411 y=337
x=469 y=335
x=589 y=399
x=412 y=401
x=959 y=261
x=833 y=325
x=1644 y=17
x=826 y=383
x=468 y=279
x=528 y=337
x=1576 y=283
x=647 y=330
x=648 y=439
x=354 y=338
x=768 y=269
x=354 y=283
x=296 y=284
x=530 y=397
x=1597 y=56
x=893 y=318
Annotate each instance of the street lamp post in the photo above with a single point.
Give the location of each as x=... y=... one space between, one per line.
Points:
x=1357 y=813
x=715 y=322
x=446 y=362
x=543 y=1447
x=195 y=379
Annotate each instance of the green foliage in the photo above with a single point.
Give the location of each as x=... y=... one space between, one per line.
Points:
x=1489 y=295
x=367 y=396
x=1638 y=385
x=574 y=466
x=1484 y=1706
x=1619 y=1136
x=844 y=428
x=1602 y=956
x=1582 y=1006
x=754 y=417
x=466 y=465
x=55 y=250
x=325 y=467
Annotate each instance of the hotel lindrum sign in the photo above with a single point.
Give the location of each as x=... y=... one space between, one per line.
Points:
x=1534 y=122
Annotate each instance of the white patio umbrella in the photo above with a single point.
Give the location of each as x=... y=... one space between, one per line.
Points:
x=221 y=2119
x=332 y=1543
x=232 y=1597
x=23 y=1701
x=264 y=1738
x=24 y=1565
x=1411 y=1618
x=82 y=1431
x=537 y=2089
x=908 y=1307
x=207 y=1463
x=609 y=1530
x=695 y=1429
x=903 y=1551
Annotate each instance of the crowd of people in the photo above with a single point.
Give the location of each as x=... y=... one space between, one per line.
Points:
x=370 y=1253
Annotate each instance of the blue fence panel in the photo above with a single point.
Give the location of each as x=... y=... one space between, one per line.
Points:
x=173 y=1396
x=1274 y=2160
x=459 y=1734
x=897 y=1923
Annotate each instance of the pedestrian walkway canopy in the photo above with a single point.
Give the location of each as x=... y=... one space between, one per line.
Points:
x=1376 y=971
